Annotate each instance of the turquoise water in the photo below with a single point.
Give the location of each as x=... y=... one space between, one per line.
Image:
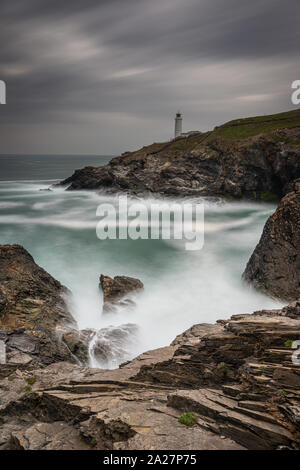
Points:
x=181 y=287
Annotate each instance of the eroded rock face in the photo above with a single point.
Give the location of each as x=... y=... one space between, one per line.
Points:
x=238 y=377
x=116 y=290
x=113 y=344
x=274 y=266
x=259 y=167
x=31 y=308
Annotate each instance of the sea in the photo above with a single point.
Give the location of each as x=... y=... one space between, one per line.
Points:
x=181 y=287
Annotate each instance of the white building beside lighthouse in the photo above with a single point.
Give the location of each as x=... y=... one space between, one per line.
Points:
x=178 y=125
x=178 y=128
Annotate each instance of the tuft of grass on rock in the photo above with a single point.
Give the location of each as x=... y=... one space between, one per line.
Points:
x=288 y=343
x=268 y=196
x=11 y=378
x=93 y=442
x=224 y=367
x=31 y=380
x=188 y=419
x=27 y=389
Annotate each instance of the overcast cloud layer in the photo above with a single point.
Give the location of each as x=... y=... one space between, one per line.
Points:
x=105 y=76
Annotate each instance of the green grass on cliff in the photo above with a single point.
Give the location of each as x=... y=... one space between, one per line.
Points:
x=238 y=129
x=243 y=128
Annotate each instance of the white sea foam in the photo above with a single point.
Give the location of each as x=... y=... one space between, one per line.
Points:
x=181 y=288
x=10 y=204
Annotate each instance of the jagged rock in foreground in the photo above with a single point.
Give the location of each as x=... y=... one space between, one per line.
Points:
x=253 y=158
x=116 y=290
x=32 y=308
x=274 y=266
x=237 y=377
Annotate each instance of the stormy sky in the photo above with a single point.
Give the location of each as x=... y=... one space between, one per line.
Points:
x=105 y=76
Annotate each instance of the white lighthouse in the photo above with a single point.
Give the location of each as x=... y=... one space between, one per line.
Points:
x=178 y=125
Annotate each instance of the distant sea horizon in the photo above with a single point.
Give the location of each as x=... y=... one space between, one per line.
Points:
x=20 y=167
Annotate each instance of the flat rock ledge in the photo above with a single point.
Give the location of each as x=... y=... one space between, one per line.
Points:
x=240 y=378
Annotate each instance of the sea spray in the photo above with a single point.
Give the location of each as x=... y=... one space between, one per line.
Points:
x=182 y=287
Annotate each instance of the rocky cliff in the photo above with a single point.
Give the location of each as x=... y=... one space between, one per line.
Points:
x=32 y=310
x=254 y=158
x=232 y=385
x=274 y=266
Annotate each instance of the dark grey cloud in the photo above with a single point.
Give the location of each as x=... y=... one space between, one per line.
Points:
x=103 y=76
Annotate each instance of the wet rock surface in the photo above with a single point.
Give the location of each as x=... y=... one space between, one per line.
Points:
x=260 y=167
x=78 y=342
x=238 y=377
x=274 y=266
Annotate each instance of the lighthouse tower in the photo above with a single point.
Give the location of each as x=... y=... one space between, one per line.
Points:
x=178 y=125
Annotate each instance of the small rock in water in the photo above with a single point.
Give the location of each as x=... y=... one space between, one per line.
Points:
x=115 y=290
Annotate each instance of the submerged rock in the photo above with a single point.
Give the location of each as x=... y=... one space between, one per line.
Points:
x=116 y=290
x=274 y=266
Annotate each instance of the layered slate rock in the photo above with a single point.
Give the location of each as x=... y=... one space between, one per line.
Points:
x=260 y=167
x=32 y=309
x=237 y=377
x=117 y=290
x=274 y=266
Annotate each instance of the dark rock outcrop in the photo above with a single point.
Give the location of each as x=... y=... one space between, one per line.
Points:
x=116 y=290
x=274 y=266
x=240 y=378
x=32 y=309
x=259 y=167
